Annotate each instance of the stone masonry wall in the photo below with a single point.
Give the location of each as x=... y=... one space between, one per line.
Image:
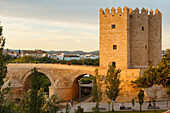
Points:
x=155 y=37
x=110 y=36
x=138 y=38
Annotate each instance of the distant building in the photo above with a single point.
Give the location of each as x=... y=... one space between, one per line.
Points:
x=60 y=56
x=68 y=57
x=36 y=53
x=14 y=54
x=71 y=57
x=90 y=56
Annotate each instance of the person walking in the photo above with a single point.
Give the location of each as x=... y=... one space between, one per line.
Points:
x=71 y=103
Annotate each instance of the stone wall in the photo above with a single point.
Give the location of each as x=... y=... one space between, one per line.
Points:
x=138 y=38
x=155 y=37
x=110 y=36
x=127 y=92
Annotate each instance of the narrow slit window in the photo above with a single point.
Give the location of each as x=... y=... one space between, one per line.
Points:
x=143 y=28
x=114 y=46
x=113 y=26
x=145 y=46
x=114 y=64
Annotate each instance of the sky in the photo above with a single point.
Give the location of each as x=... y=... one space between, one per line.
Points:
x=65 y=24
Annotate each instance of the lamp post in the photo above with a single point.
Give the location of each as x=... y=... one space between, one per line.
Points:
x=79 y=92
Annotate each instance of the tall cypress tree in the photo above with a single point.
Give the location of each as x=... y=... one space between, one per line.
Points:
x=141 y=98
x=3 y=67
x=96 y=91
x=112 y=83
x=5 y=105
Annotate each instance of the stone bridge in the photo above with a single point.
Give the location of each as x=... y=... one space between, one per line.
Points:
x=63 y=78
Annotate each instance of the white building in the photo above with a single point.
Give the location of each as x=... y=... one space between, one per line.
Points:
x=71 y=57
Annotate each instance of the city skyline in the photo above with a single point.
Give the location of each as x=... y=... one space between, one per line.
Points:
x=65 y=25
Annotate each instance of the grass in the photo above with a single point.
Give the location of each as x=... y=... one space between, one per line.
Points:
x=132 y=112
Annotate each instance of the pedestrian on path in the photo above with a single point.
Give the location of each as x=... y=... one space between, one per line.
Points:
x=71 y=101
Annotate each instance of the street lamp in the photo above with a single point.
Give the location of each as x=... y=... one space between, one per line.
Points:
x=79 y=92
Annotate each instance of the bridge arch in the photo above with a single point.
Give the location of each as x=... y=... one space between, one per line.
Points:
x=75 y=85
x=26 y=80
x=28 y=73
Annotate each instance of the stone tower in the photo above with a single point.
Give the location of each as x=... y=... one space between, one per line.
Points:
x=129 y=39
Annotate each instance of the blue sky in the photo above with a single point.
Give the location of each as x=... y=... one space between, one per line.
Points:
x=65 y=24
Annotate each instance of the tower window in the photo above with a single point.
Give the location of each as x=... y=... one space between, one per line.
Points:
x=113 y=26
x=114 y=64
x=142 y=28
x=114 y=46
x=145 y=46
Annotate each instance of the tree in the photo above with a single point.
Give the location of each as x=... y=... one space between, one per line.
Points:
x=141 y=98
x=5 y=103
x=133 y=103
x=79 y=110
x=19 y=52
x=112 y=84
x=159 y=75
x=3 y=67
x=96 y=91
x=53 y=104
x=147 y=80
x=33 y=100
x=67 y=108
x=153 y=76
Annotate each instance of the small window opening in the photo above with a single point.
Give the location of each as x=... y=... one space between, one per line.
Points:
x=142 y=28
x=113 y=26
x=114 y=64
x=114 y=46
x=145 y=46
x=120 y=15
x=112 y=15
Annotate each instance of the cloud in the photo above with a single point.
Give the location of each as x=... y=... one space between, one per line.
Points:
x=77 y=41
x=26 y=34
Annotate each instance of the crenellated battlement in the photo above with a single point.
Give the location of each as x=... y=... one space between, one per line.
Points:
x=130 y=11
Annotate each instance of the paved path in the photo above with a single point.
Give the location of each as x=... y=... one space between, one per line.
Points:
x=88 y=106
